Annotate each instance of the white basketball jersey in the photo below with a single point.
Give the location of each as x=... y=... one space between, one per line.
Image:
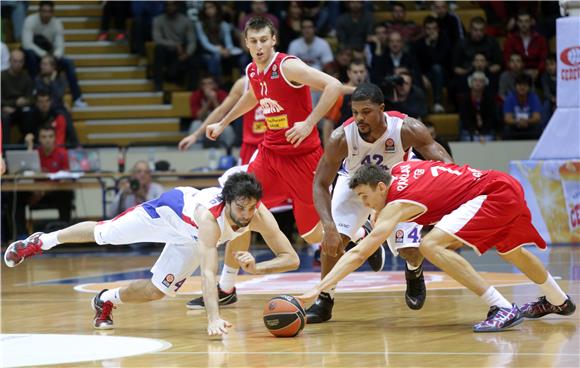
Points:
x=210 y=199
x=385 y=151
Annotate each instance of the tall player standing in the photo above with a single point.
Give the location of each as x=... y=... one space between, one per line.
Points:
x=291 y=148
x=371 y=136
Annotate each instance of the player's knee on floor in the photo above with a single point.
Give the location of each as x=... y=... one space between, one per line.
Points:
x=412 y=255
x=153 y=293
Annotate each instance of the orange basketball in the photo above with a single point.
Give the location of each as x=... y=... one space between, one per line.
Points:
x=284 y=316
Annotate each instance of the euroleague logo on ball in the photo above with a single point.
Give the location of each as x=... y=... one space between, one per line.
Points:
x=571 y=56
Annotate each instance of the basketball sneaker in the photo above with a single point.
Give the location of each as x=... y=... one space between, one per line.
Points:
x=499 y=319
x=103 y=312
x=18 y=251
x=377 y=259
x=223 y=299
x=321 y=311
x=416 y=292
x=542 y=307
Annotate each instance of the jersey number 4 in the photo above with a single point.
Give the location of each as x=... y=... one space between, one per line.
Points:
x=374 y=159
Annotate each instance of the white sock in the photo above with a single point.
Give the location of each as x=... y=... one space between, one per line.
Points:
x=410 y=267
x=554 y=294
x=49 y=240
x=493 y=297
x=330 y=292
x=360 y=233
x=112 y=296
x=228 y=278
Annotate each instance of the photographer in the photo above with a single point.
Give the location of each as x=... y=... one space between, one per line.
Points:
x=136 y=189
x=401 y=95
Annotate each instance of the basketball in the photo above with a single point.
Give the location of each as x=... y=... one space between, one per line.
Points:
x=284 y=316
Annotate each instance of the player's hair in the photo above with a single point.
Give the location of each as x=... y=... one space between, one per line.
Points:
x=357 y=62
x=241 y=185
x=47 y=126
x=523 y=78
x=368 y=91
x=477 y=20
x=370 y=175
x=46 y=3
x=43 y=92
x=257 y=23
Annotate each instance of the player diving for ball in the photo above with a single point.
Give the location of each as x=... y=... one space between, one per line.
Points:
x=191 y=223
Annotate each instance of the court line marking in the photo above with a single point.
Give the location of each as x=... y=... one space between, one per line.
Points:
x=41 y=283
x=330 y=353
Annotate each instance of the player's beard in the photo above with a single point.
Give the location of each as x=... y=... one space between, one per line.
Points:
x=237 y=221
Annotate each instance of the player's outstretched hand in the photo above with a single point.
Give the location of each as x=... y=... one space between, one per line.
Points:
x=246 y=261
x=309 y=297
x=219 y=327
x=214 y=130
x=186 y=142
x=299 y=132
x=331 y=240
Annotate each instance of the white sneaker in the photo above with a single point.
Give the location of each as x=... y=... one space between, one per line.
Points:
x=79 y=102
x=438 y=108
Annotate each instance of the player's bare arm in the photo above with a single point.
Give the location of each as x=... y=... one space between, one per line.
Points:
x=208 y=237
x=335 y=152
x=245 y=104
x=219 y=112
x=415 y=134
x=285 y=258
x=296 y=71
x=387 y=219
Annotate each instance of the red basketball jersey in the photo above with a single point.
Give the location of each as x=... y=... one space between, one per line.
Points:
x=254 y=123
x=283 y=104
x=438 y=187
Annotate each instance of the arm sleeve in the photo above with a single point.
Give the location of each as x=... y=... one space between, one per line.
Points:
x=28 y=37
x=60 y=129
x=191 y=38
x=59 y=39
x=195 y=104
x=203 y=40
x=535 y=104
x=508 y=106
x=226 y=30
x=158 y=36
x=327 y=56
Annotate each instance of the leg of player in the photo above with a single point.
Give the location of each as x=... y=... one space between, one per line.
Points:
x=227 y=284
x=18 y=251
x=416 y=292
x=438 y=247
x=554 y=299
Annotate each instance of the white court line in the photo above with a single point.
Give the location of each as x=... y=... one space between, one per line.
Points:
x=330 y=353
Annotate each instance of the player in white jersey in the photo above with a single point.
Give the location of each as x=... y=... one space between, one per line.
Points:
x=192 y=223
x=371 y=136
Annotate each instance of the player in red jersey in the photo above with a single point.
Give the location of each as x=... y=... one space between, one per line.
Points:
x=482 y=209
x=291 y=148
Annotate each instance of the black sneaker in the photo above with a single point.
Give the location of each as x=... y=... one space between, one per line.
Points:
x=542 y=307
x=416 y=292
x=321 y=311
x=103 y=312
x=377 y=259
x=223 y=299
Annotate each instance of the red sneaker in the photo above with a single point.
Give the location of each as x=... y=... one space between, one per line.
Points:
x=103 y=312
x=120 y=37
x=22 y=249
x=102 y=36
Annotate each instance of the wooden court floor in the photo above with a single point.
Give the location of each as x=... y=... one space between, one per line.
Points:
x=368 y=329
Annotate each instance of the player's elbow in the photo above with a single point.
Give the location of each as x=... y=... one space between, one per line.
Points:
x=293 y=261
x=334 y=86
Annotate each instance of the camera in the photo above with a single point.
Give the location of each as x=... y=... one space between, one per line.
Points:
x=134 y=184
x=388 y=84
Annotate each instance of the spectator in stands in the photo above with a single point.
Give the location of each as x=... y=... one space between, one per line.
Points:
x=341 y=111
x=408 y=29
x=407 y=98
x=134 y=190
x=175 y=44
x=291 y=27
x=52 y=81
x=476 y=42
x=449 y=23
x=432 y=52
x=117 y=12
x=507 y=80
x=522 y=111
x=259 y=8
x=202 y=102
x=311 y=49
x=16 y=94
x=42 y=115
x=529 y=44
x=395 y=57
x=215 y=38
x=354 y=28
x=143 y=13
x=549 y=79
x=436 y=138
x=378 y=43
x=324 y=14
x=17 y=11
x=5 y=55
x=43 y=34
x=477 y=113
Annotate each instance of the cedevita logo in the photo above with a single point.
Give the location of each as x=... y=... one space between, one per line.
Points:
x=571 y=56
